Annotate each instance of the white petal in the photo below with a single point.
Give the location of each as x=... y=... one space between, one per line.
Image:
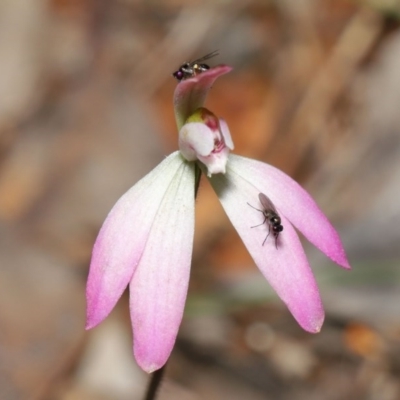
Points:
x=294 y=202
x=122 y=238
x=226 y=134
x=195 y=139
x=159 y=286
x=284 y=263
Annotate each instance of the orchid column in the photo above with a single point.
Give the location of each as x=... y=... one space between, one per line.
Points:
x=146 y=240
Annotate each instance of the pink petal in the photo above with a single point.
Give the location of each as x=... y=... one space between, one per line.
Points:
x=191 y=94
x=122 y=239
x=159 y=286
x=226 y=134
x=294 y=203
x=286 y=268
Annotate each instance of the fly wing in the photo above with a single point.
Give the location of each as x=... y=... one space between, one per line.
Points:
x=206 y=57
x=267 y=203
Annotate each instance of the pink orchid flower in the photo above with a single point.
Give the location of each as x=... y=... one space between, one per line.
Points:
x=146 y=240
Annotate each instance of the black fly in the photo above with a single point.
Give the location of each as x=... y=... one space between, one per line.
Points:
x=271 y=217
x=193 y=68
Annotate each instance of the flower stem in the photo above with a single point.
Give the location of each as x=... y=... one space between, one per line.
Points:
x=155 y=381
x=197 y=176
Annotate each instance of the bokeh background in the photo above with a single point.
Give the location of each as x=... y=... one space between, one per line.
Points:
x=86 y=110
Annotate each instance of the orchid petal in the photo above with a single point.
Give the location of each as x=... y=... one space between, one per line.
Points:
x=190 y=94
x=122 y=238
x=195 y=138
x=159 y=286
x=285 y=267
x=215 y=162
x=226 y=134
x=294 y=203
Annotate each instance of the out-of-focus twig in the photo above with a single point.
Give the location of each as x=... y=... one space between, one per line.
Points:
x=307 y=124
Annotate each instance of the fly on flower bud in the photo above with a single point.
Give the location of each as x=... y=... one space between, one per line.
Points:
x=193 y=68
x=271 y=217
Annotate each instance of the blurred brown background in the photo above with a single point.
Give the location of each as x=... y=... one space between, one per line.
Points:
x=86 y=110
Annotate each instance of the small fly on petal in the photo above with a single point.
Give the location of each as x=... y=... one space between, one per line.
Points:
x=271 y=217
x=192 y=68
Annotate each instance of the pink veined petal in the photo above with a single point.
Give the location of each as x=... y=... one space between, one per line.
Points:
x=191 y=94
x=159 y=286
x=122 y=239
x=294 y=203
x=286 y=267
x=195 y=138
x=226 y=134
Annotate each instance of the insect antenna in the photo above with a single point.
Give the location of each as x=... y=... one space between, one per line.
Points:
x=206 y=57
